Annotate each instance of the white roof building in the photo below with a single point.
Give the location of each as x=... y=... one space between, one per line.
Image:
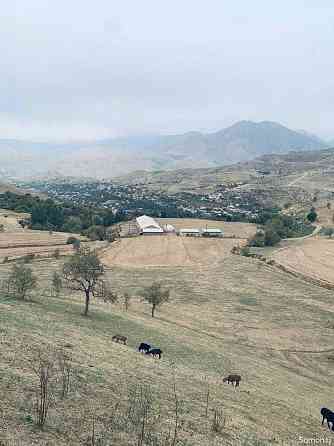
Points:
x=148 y=225
x=190 y=231
x=169 y=228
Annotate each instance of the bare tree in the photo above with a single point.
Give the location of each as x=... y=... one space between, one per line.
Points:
x=83 y=272
x=155 y=295
x=65 y=371
x=57 y=283
x=43 y=368
x=127 y=300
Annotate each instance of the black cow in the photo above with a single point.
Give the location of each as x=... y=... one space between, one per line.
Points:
x=232 y=379
x=154 y=352
x=144 y=347
x=327 y=415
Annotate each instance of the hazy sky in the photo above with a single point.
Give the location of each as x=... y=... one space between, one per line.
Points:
x=90 y=69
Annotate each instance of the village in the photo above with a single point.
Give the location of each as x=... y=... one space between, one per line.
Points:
x=230 y=202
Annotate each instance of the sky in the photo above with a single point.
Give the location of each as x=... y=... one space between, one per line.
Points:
x=83 y=69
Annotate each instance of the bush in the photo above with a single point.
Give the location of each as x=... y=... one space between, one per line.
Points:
x=271 y=237
x=244 y=251
x=56 y=253
x=312 y=215
x=258 y=240
x=328 y=232
x=71 y=240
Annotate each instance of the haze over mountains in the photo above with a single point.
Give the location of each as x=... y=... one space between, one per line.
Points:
x=242 y=141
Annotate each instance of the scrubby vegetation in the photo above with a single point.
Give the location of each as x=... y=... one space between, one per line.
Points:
x=65 y=216
x=278 y=226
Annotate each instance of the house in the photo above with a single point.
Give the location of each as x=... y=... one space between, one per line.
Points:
x=191 y=232
x=212 y=232
x=148 y=226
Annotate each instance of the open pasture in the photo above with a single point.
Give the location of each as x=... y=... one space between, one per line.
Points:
x=172 y=250
x=167 y=250
x=313 y=257
x=239 y=316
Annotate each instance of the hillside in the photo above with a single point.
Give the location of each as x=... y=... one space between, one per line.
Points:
x=114 y=157
x=294 y=172
x=238 y=316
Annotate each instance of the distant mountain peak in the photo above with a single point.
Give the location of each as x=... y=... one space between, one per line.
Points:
x=242 y=141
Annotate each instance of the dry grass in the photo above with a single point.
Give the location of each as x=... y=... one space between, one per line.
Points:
x=17 y=242
x=169 y=250
x=172 y=250
x=313 y=257
x=239 y=315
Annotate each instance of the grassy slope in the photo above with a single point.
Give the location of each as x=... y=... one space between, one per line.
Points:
x=241 y=316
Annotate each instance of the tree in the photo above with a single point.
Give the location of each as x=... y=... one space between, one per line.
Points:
x=83 y=272
x=127 y=301
x=57 y=283
x=155 y=295
x=22 y=281
x=271 y=237
x=329 y=232
x=312 y=215
x=73 y=224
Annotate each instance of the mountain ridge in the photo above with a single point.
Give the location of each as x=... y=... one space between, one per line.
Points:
x=108 y=158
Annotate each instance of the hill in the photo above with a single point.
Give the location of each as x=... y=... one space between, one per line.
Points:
x=114 y=157
x=309 y=171
x=238 y=315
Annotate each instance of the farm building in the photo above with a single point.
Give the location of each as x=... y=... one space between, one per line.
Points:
x=212 y=232
x=191 y=232
x=148 y=226
x=169 y=229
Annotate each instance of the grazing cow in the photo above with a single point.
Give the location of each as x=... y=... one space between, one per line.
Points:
x=233 y=379
x=154 y=352
x=144 y=347
x=120 y=338
x=327 y=415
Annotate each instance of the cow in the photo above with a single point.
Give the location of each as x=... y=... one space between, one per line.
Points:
x=154 y=352
x=327 y=415
x=143 y=347
x=120 y=338
x=233 y=379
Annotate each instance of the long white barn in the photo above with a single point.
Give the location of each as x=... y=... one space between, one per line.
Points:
x=148 y=226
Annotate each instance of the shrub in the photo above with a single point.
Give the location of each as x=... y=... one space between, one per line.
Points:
x=312 y=215
x=71 y=240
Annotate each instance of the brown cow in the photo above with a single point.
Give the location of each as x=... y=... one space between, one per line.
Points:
x=120 y=338
x=232 y=379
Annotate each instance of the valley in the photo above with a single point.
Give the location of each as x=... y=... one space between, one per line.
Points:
x=226 y=314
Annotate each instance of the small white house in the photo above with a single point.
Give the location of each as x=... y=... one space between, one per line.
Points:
x=148 y=226
x=191 y=232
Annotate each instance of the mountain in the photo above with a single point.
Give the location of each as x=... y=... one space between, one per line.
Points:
x=108 y=158
x=312 y=170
